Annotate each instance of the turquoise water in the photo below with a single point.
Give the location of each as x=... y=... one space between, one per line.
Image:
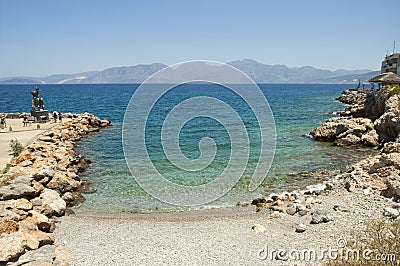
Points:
x=299 y=161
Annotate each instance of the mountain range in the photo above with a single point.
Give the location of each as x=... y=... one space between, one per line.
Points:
x=260 y=73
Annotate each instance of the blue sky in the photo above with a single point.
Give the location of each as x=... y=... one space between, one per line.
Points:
x=43 y=37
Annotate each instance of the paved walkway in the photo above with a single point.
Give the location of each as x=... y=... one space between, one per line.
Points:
x=25 y=135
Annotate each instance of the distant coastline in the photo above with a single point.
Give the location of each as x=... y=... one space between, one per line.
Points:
x=259 y=72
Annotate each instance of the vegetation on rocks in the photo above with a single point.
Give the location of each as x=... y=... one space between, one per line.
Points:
x=394 y=91
x=380 y=245
x=16 y=147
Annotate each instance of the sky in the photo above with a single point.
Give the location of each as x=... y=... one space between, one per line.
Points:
x=43 y=37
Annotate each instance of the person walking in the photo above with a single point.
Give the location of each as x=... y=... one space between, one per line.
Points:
x=55 y=115
x=59 y=117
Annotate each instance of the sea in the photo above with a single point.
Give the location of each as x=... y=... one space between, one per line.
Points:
x=298 y=161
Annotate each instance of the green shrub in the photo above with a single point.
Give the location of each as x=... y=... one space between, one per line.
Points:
x=16 y=147
x=394 y=91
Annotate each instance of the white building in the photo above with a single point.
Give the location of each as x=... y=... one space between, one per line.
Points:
x=391 y=64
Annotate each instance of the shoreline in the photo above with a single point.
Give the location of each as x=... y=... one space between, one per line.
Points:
x=226 y=235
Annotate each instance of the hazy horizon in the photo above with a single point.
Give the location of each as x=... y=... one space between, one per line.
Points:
x=94 y=70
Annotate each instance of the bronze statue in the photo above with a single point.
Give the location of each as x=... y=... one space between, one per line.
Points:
x=37 y=101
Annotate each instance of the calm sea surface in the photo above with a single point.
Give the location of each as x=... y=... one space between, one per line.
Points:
x=297 y=109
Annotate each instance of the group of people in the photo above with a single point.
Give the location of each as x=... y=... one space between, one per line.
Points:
x=57 y=115
x=25 y=121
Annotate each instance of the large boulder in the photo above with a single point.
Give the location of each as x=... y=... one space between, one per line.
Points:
x=52 y=203
x=346 y=131
x=16 y=191
x=44 y=255
x=392 y=189
x=11 y=246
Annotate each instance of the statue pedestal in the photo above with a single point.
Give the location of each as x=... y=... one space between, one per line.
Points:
x=40 y=115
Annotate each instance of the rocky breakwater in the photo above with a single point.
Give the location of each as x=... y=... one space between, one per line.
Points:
x=41 y=183
x=370 y=119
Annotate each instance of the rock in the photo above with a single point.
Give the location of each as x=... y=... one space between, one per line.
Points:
x=258 y=228
x=276 y=214
x=47 y=139
x=391 y=147
x=328 y=186
x=392 y=189
x=391 y=212
x=340 y=208
x=367 y=191
x=349 y=186
x=52 y=202
x=320 y=216
x=277 y=202
x=346 y=131
x=9 y=215
x=42 y=221
x=41 y=238
x=370 y=139
x=47 y=171
x=26 y=163
x=302 y=212
x=258 y=201
x=300 y=228
x=22 y=180
x=74 y=198
x=291 y=198
x=63 y=183
x=291 y=210
x=43 y=255
x=391 y=159
x=63 y=257
x=300 y=207
x=11 y=246
x=21 y=204
x=278 y=208
x=348 y=140
x=16 y=190
x=8 y=226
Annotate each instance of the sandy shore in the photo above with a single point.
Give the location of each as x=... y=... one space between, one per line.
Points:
x=25 y=135
x=210 y=237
